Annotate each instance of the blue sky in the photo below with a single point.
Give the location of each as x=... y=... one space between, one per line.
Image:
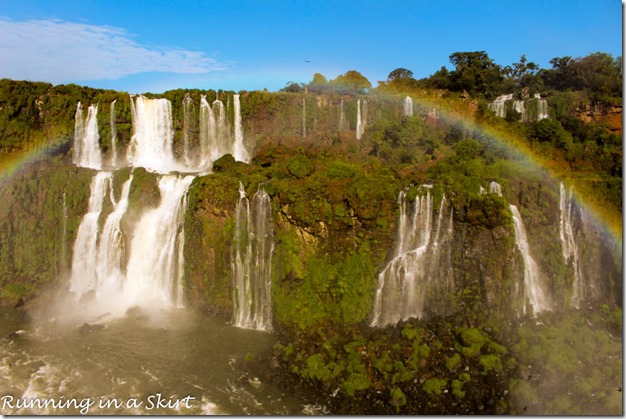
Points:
x=152 y=46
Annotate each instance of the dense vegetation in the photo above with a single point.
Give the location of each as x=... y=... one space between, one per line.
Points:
x=335 y=208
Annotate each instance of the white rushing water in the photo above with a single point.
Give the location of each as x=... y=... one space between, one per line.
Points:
x=110 y=262
x=360 y=120
x=542 y=108
x=499 y=105
x=84 y=262
x=343 y=122
x=500 y=108
x=535 y=292
x=408 y=106
x=416 y=269
x=569 y=245
x=495 y=187
x=114 y=158
x=252 y=261
x=151 y=145
x=87 y=151
x=155 y=266
x=188 y=109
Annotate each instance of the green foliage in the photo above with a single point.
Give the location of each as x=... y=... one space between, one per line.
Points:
x=300 y=166
x=351 y=82
x=475 y=73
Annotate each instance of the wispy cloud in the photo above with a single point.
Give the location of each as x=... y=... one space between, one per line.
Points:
x=61 y=52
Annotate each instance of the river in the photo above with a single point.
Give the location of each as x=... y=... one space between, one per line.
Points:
x=179 y=362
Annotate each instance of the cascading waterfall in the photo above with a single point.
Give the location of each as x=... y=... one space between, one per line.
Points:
x=87 y=151
x=187 y=127
x=252 y=261
x=343 y=123
x=518 y=106
x=112 y=248
x=113 y=136
x=417 y=269
x=535 y=293
x=408 y=106
x=495 y=187
x=542 y=107
x=211 y=143
x=569 y=244
x=84 y=275
x=240 y=153
x=499 y=105
x=500 y=108
x=154 y=257
x=151 y=144
x=360 y=128
x=155 y=266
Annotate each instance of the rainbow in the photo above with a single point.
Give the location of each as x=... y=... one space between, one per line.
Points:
x=452 y=111
x=460 y=112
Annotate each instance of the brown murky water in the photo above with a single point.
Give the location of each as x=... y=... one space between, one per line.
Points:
x=178 y=363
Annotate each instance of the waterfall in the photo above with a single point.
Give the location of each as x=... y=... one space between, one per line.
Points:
x=518 y=105
x=111 y=247
x=408 y=106
x=113 y=136
x=535 y=293
x=495 y=187
x=343 y=123
x=209 y=140
x=542 y=106
x=417 y=270
x=359 y=124
x=84 y=276
x=187 y=118
x=569 y=244
x=151 y=145
x=252 y=261
x=239 y=149
x=155 y=265
x=86 y=147
x=63 y=258
x=498 y=105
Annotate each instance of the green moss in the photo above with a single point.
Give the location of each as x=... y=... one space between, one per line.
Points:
x=434 y=386
x=490 y=362
x=356 y=382
x=453 y=362
x=457 y=387
x=397 y=397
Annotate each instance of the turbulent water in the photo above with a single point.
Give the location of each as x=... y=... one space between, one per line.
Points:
x=196 y=364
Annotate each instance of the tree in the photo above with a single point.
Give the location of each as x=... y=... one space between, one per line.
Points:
x=401 y=79
x=599 y=74
x=352 y=82
x=439 y=80
x=319 y=83
x=476 y=74
x=293 y=87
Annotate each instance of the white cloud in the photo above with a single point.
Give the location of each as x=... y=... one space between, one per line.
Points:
x=63 y=52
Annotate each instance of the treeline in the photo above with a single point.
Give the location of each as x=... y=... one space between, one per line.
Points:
x=599 y=75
